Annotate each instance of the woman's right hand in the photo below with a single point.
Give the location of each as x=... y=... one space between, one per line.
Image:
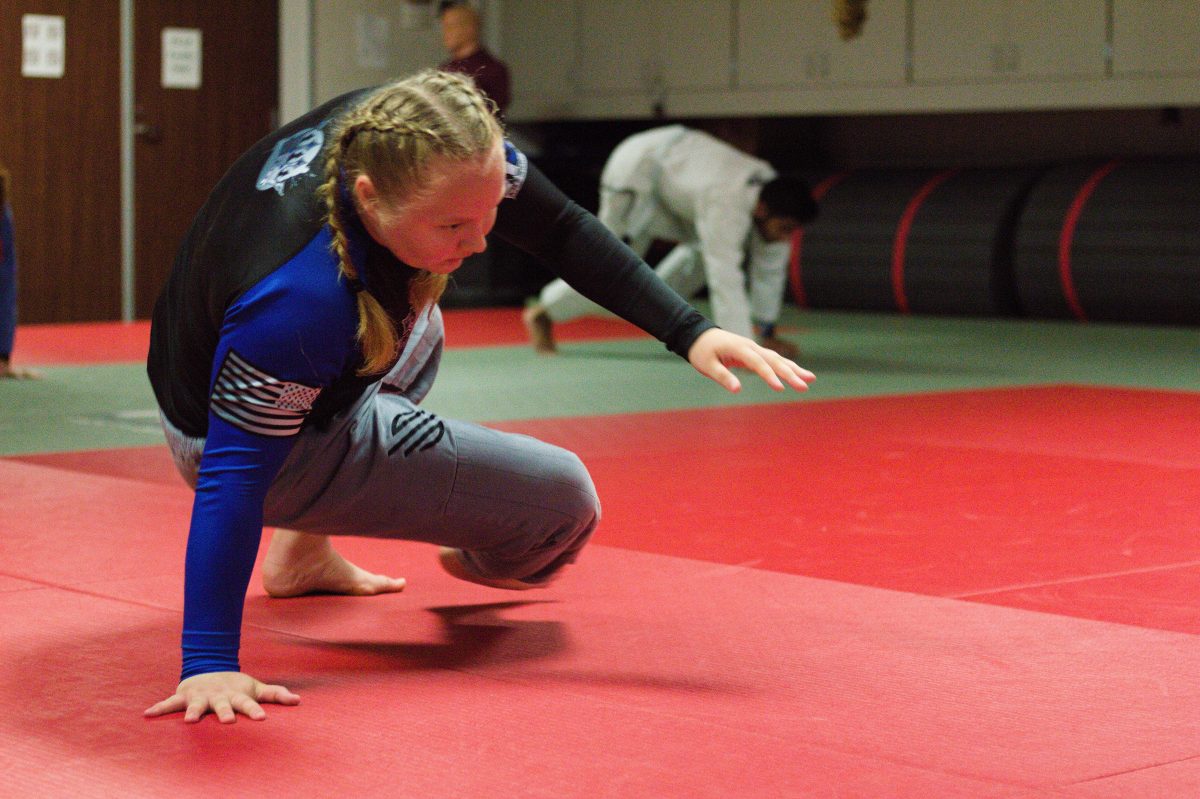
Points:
x=716 y=350
x=225 y=693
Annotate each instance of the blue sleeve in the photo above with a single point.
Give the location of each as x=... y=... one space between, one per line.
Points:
x=8 y=283
x=281 y=344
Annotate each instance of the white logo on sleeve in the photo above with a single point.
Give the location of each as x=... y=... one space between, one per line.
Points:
x=249 y=398
x=291 y=158
x=516 y=167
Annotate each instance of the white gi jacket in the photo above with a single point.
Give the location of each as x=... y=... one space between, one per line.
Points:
x=684 y=185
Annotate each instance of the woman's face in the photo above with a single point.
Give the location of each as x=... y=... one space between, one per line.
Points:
x=449 y=218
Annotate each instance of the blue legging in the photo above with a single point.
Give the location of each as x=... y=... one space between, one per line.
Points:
x=8 y=284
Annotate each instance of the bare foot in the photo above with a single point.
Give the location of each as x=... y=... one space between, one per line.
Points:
x=299 y=563
x=8 y=371
x=540 y=329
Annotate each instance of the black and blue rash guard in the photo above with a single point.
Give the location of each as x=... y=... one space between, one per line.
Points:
x=253 y=338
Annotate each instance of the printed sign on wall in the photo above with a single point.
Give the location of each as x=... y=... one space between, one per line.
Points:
x=181 y=58
x=43 y=46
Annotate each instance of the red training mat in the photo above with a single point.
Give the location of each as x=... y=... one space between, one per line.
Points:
x=118 y=342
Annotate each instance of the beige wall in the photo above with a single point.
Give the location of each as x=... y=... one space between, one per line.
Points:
x=367 y=42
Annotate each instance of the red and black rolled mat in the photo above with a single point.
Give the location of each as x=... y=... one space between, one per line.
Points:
x=1113 y=240
x=935 y=241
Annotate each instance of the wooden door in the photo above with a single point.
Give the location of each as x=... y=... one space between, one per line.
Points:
x=60 y=139
x=188 y=137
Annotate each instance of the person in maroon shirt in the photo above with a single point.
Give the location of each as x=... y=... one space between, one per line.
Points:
x=460 y=35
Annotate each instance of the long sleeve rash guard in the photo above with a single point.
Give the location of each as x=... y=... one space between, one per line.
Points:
x=253 y=338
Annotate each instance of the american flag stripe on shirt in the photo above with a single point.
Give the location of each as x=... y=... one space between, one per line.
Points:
x=250 y=399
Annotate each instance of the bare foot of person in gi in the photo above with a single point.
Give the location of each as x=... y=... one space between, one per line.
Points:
x=10 y=372
x=540 y=329
x=300 y=563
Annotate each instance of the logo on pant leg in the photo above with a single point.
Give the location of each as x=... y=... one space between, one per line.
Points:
x=418 y=430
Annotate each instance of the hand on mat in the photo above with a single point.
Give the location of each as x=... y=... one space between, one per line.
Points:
x=225 y=693
x=717 y=350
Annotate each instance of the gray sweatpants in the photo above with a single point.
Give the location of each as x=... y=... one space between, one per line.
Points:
x=386 y=468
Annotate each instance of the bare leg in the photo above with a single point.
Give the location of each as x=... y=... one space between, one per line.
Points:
x=299 y=563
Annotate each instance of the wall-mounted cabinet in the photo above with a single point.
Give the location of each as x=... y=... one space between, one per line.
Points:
x=784 y=44
x=696 y=40
x=1006 y=40
x=618 y=48
x=631 y=54
x=538 y=45
x=578 y=59
x=1156 y=38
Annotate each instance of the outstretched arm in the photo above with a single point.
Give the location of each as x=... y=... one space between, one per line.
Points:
x=544 y=222
x=277 y=351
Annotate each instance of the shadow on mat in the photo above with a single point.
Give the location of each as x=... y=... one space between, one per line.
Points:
x=477 y=639
x=474 y=635
x=103 y=679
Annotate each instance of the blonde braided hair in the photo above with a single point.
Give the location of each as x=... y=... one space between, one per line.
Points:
x=391 y=136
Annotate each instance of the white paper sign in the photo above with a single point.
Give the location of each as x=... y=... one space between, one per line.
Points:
x=181 y=51
x=43 y=46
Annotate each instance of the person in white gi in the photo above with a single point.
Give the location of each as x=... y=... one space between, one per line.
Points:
x=731 y=214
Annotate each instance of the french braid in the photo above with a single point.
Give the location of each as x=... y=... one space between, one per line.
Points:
x=391 y=136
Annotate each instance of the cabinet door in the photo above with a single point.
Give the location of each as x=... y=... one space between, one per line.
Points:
x=782 y=44
x=1159 y=38
x=538 y=41
x=957 y=41
x=696 y=43
x=619 y=47
x=646 y=46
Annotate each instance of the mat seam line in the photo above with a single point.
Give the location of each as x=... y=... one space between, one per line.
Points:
x=1073 y=580
x=1132 y=771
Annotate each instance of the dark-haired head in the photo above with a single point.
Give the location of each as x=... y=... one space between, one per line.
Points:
x=784 y=205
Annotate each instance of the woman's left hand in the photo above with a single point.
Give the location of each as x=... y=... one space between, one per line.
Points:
x=716 y=350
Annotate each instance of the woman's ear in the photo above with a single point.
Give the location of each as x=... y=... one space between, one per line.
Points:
x=366 y=197
x=364 y=192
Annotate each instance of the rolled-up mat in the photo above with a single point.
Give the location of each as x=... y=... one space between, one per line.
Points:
x=921 y=241
x=845 y=255
x=1113 y=241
